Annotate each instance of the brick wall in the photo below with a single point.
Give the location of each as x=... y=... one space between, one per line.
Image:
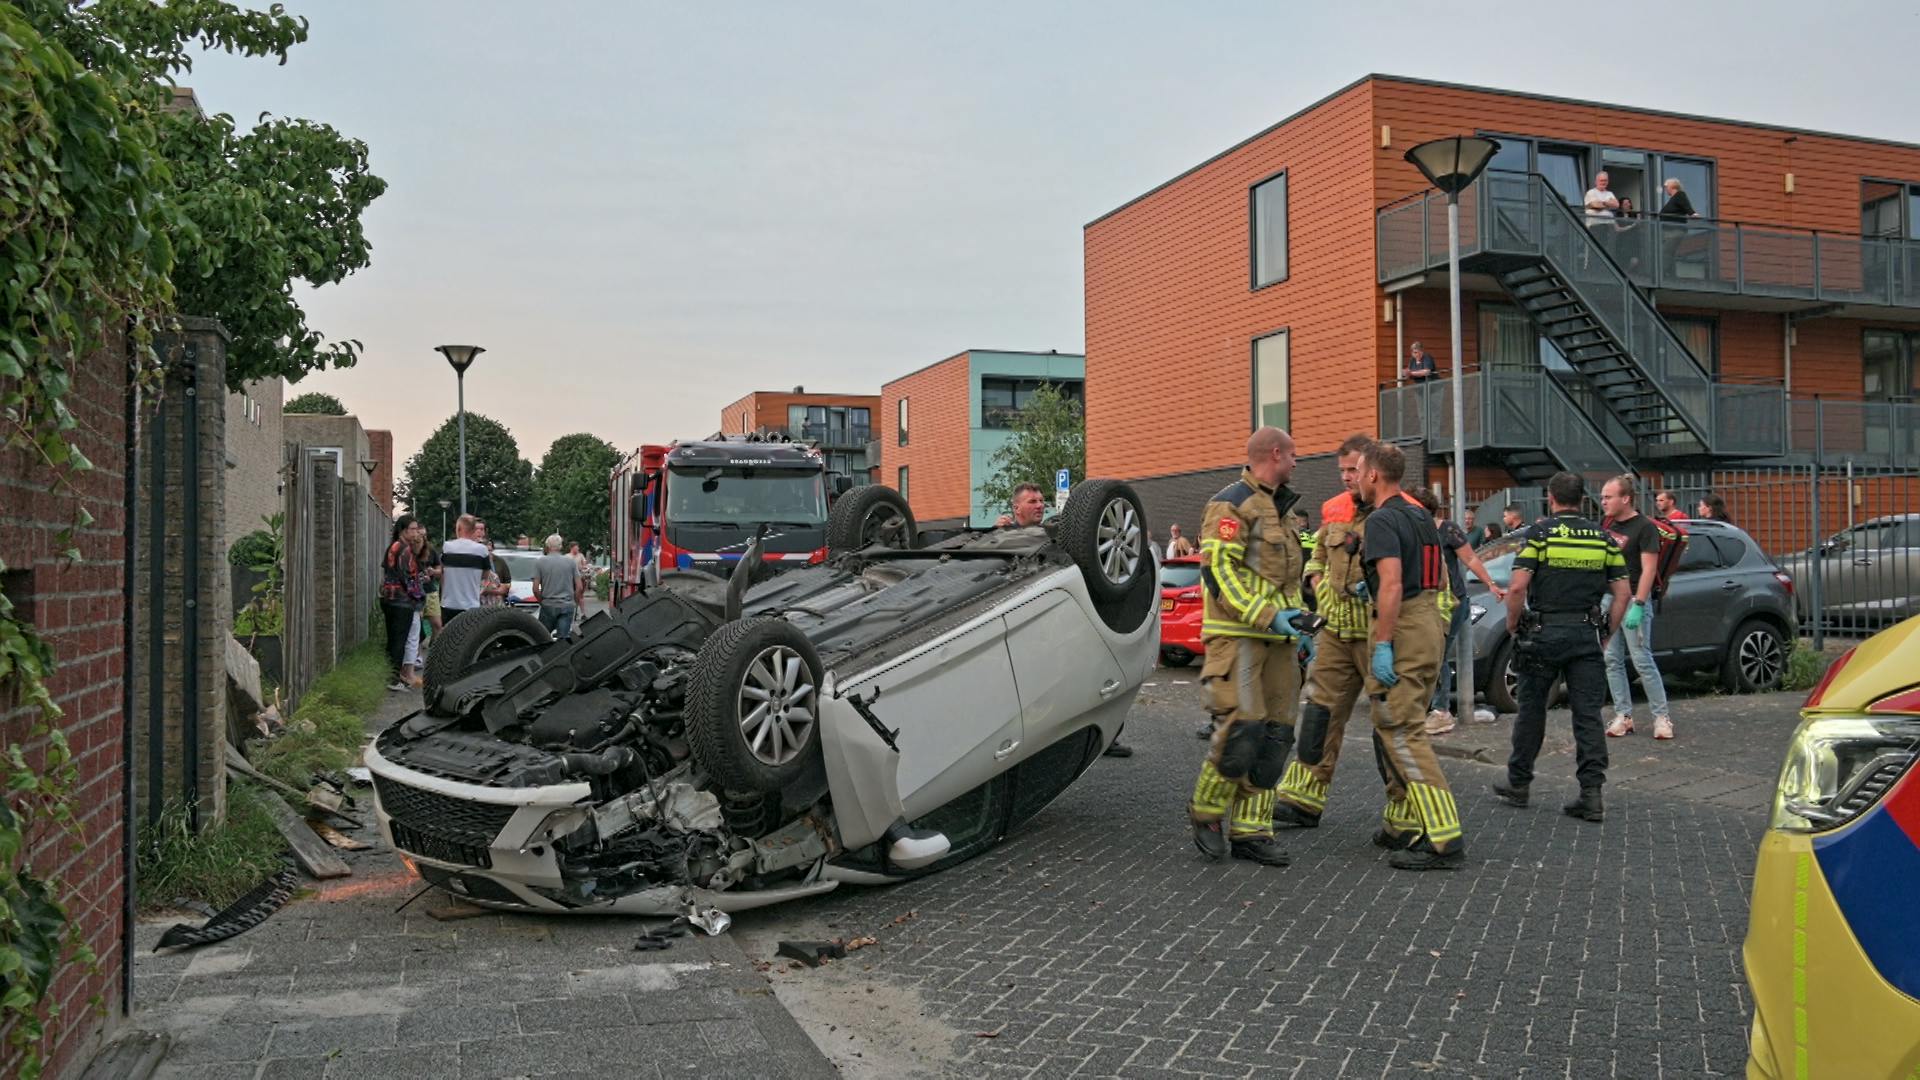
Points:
x=1171 y=314
x=78 y=608
x=938 y=454
x=380 y=446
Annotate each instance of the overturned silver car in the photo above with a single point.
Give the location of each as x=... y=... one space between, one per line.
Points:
x=730 y=744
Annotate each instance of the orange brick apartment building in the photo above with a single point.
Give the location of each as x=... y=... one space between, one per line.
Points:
x=842 y=424
x=1286 y=277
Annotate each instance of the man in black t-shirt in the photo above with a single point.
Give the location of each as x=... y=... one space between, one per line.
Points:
x=1406 y=572
x=1639 y=541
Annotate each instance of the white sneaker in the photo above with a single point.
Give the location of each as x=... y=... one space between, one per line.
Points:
x=1622 y=725
x=1439 y=722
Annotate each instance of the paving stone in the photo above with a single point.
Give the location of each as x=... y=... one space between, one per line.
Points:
x=289 y=1068
x=421 y=1061
x=296 y=1038
x=453 y=1023
x=571 y=1013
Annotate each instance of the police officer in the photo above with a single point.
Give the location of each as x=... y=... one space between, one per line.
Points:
x=1252 y=571
x=1554 y=616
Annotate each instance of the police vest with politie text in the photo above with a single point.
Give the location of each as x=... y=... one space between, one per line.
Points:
x=1252 y=562
x=1572 y=559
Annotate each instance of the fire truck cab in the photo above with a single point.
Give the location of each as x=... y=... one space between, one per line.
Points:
x=694 y=505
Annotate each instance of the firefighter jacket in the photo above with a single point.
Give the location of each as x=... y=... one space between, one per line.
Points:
x=1337 y=562
x=1251 y=561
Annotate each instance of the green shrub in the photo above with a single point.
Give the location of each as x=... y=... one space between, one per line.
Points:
x=358 y=683
x=254 y=549
x=268 y=621
x=217 y=866
x=1804 y=668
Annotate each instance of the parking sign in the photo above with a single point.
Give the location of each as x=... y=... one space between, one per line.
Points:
x=1062 y=481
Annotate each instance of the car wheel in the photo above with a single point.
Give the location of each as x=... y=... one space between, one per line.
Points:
x=753 y=708
x=1503 y=689
x=1104 y=529
x=867 y=515
x=1175 y=657
x=478 y=637
x=1756 y=658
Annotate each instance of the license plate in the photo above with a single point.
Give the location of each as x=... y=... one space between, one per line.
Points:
x=1166 y=605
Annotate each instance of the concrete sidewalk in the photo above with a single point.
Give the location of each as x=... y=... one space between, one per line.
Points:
x=340 y=984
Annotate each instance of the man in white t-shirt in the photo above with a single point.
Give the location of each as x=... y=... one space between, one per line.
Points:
x=1601 y=203
x=464 y=562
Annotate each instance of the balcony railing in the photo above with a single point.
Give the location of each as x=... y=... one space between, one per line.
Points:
x=1506 y=410
x=1694 y=254
x=848 y=435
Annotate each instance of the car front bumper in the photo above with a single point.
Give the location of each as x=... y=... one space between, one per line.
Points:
x=1820 y=1007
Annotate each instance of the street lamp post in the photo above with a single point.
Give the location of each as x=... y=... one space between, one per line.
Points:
x=461 y=357
x=1450 y=165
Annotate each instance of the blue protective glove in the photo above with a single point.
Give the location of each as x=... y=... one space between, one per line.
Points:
x=1306 y=648
x=1383 y=663
x=1361 y=591
x=1636 y=613
x=1282 y=623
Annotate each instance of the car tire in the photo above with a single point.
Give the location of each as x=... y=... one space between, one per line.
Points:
x=743 y=746
x=867 y=515
x=1104 y=529
x=1756 y=658
x=1176 y=657
x=480 y=636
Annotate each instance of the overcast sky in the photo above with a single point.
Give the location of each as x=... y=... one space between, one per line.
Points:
x=645 y=210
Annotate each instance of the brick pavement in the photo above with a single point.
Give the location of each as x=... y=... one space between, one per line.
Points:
x=338 y=984
x=1098 y=943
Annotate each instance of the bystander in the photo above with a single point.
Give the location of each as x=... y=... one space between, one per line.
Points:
x=557 y=585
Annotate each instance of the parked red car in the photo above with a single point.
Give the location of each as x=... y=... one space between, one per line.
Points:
x=1180 y=610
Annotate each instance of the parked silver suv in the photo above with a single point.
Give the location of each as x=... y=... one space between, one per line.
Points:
x=1728 y=607
x=1869 y=574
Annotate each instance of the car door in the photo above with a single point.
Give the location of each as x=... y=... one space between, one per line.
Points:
x=1886 y=574
x=1846 y=570
x=1689 y=620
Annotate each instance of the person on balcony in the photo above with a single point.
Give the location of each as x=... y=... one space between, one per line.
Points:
x=1677 y=207
x=1602 y=204
x=1420 y=366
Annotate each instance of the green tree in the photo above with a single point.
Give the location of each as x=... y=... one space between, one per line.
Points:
x=316 y=403
x=570 y=491
x=1050 y=434
x=499 y=480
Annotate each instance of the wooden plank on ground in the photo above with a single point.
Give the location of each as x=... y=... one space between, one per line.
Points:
x=312 y=853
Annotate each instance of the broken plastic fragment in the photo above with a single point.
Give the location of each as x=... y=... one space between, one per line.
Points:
x=712 y=920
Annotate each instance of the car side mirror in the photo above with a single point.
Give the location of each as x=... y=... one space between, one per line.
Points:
x=842 y=483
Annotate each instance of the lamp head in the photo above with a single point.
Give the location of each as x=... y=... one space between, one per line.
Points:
x=460 y=356
x=1452 y=163
x=369 y=465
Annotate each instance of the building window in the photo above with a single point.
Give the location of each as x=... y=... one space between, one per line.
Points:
x=1270 y=231
x=1271 y=405
x=1702 y=339
x=1003 y=400
x=1887 y=365
x=901 y=486
x=903 y=430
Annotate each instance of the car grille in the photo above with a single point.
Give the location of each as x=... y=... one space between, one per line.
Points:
x=441 y=827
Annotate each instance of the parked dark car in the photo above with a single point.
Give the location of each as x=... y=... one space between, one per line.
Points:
x=1728 y=608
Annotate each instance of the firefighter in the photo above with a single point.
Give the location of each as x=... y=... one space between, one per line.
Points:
x=1336 y=578
x=1252 y=569
x=1566 y=565
x=1406 y=571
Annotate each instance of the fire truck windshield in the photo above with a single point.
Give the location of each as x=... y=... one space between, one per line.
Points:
x=728 y=496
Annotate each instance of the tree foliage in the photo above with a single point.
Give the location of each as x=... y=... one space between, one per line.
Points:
x=499 y=480
x=1050 y=434
x=570 y=491
x=316 y=403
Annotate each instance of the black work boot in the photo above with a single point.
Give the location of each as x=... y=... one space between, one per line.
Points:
x=1394 y=841
x=1209 y=839
x=1587 y=807
x=1205 y=730
x=1264 y=850
x=1511 y=794
x=1425 y=858
x=1288 y=816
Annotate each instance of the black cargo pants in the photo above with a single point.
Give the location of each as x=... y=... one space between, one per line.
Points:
x=1540 y=659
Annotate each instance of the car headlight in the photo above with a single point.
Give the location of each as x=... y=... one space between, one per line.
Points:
x=1475 y=612
x=1838 y=767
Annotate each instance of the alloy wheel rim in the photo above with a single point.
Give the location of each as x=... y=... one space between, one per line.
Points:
x=502 y=642
x=1117 y=541
x=880 y=526
x=777 y=706
x=1761 y=661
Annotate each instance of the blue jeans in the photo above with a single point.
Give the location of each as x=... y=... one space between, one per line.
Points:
x=558 y=620
x=1638 y=644
x=1444 y=687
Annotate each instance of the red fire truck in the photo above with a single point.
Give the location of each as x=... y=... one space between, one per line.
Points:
x=694 y=505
